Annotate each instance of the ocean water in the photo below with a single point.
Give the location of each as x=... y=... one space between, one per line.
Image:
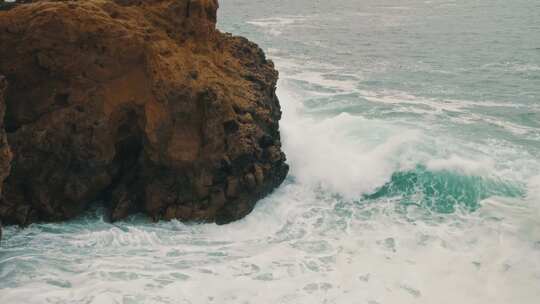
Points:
x=413 y=133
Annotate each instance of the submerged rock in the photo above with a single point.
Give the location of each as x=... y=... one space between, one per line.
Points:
x=144 y=105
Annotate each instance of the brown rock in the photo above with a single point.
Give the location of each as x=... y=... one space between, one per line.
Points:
x=217 y=198
x=184 y=213
x=202 y=184
x=137 y=103
x=232 y=187
x=170 y=213
x=250 y=181
x=5 y=152
x=259 y=175
x=123 y=202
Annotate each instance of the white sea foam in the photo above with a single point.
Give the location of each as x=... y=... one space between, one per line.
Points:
x=409 y=103
x=276 y=25
x=457 y=105
x=298 y=247
x=513 y=66
x=463 y=165
x=534 y=190
x=345 y=154
x=315 y=240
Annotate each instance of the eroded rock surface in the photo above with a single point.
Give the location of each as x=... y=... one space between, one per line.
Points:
x=141 y=104
x=5 y=151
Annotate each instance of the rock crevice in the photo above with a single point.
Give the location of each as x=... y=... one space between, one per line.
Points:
x=144 y=105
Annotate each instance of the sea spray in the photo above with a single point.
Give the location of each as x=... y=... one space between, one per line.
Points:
x=414 y=174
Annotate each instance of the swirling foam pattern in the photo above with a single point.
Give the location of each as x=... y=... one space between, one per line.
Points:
x=413 y=133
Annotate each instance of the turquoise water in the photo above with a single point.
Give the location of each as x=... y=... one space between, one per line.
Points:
x=413 y=133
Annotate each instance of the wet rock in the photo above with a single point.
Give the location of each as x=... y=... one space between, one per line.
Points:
x=5 y=151
x=142 y=104
x=170 y=213
x=259 y=175
x=232 y=187
x=184 y=213
x=250 y=181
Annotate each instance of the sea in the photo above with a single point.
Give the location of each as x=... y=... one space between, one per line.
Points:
x=412 y=128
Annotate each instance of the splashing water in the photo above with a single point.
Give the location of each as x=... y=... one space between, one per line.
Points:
x=413 y=133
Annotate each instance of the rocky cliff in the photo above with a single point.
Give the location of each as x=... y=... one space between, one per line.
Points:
x=142 y=105
x=5 y=151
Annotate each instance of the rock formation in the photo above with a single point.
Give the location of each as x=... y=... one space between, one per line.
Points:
x=5 y=152
x=143 y=105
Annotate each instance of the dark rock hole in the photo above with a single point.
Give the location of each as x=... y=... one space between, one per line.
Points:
x=231 y=126
x=126 y=160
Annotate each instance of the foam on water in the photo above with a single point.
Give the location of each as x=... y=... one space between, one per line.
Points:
x=396 y=194
x=299 y=246
x=276 y=25
x=462 y=165
x=330 y=153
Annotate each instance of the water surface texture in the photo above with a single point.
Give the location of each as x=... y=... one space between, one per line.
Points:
x=413 y=133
